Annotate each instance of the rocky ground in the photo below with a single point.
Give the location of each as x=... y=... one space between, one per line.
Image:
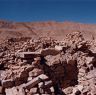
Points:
x=46 y=66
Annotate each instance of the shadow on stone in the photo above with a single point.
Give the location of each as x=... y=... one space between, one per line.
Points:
x=62 y=74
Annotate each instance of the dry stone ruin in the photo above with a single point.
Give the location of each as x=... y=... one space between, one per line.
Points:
x=46 y=66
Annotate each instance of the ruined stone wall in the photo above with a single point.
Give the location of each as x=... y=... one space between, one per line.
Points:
x=48 y=67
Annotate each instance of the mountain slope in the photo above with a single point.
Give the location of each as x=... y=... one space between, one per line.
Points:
x=44 y=29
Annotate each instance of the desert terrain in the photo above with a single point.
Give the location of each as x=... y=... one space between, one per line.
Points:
x=53 y=29
x=47 y=58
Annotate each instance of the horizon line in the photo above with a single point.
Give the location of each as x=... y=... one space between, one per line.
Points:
x=41 y=21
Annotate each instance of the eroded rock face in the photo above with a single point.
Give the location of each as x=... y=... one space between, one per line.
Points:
x=47 y=66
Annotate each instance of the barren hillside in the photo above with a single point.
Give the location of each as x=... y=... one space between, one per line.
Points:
x=54 y=29
x=47 y=58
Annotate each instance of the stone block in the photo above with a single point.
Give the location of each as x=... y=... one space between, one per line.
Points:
x=49 y=51
x=52 y=89
x=28 y=54
x=29 y=78
x=35 y=81
x=33 y=90
x=60 y=48
x=15 y=91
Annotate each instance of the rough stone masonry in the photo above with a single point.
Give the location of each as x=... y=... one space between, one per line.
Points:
x=48 y=66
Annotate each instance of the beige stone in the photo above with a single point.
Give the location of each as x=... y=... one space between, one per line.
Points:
x=29 y=78
x=33 y=90
x=80 y=87
x=28 y=54
x=15 y=91
x=35 y=81
x=48 y=84
x=60 y=48
x=68 y=90
x=52 y=89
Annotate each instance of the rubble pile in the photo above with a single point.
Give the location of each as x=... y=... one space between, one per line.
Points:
x=45 y=66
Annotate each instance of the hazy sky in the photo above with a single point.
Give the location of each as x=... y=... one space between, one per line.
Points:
x=83 y=11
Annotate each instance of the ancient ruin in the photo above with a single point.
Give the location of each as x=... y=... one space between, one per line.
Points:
x=52 y=67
